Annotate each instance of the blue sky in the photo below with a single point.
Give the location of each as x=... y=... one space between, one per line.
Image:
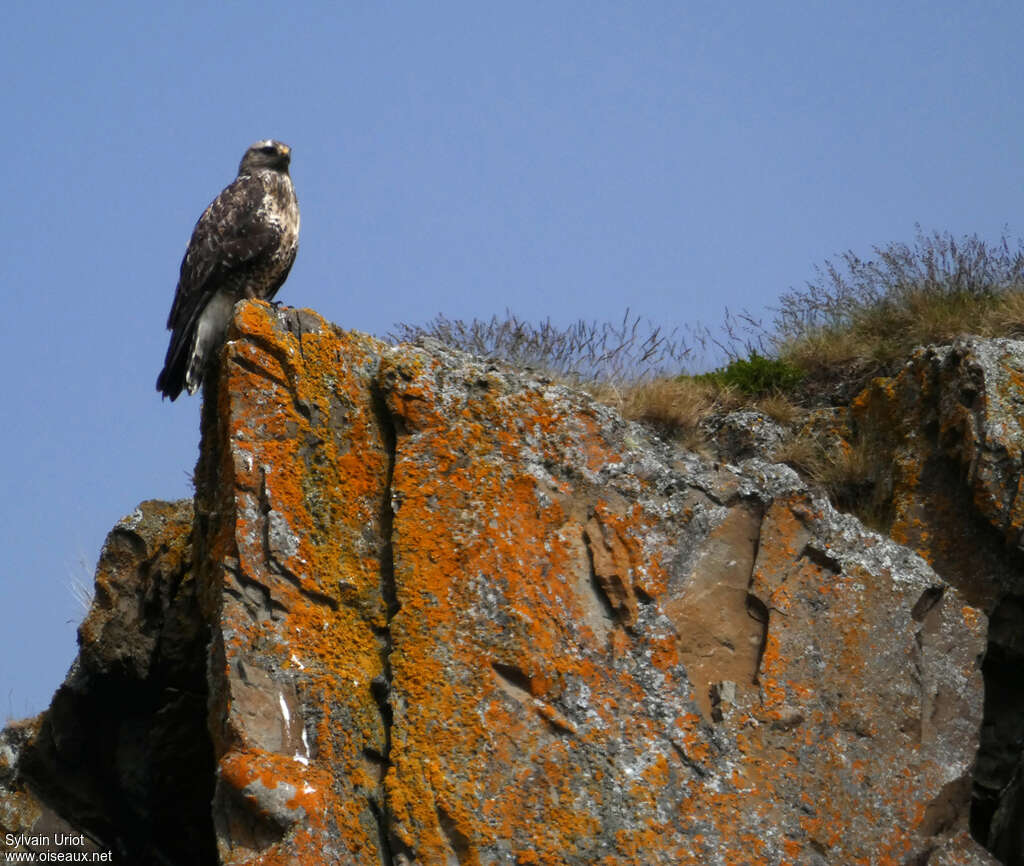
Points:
x=558 y=159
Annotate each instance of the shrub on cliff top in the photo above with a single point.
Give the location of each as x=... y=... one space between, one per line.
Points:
x=756 y=375
x=635 y=349
x=827 y=340
x=879 y=309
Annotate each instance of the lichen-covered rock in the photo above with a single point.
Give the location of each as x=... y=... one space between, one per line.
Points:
x=952 y=424
x=456 y=615
x=743 y=434
x=947 y=433
x=293 y=515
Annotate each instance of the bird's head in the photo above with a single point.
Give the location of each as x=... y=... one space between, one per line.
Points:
x=266 y=154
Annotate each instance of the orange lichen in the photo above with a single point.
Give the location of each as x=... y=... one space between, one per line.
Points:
x=523 y=712
x=304 y=490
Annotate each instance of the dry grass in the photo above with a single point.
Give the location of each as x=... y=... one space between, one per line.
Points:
x=889 y=331
x=850 y=471
x=1005 y=318
x=779 y=408
x=804 y=453
x=635 y=349
x=674 y=407
x=866 y=314
x=827 y=460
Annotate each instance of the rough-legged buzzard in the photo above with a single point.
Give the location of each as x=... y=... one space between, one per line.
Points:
x=242 y=247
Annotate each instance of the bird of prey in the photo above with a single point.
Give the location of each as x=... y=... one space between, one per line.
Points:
x=243 y=246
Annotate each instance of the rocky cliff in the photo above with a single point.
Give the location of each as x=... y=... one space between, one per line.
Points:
x=429 y=610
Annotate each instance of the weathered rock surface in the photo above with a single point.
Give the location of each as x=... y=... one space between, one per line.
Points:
x=122 y=754
x=948 y=431
x=741 y=435
x=432 y=611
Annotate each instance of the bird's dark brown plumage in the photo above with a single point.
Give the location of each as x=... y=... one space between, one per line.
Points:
x=243 y=246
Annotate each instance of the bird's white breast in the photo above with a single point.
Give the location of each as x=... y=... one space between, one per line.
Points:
x=277 y=189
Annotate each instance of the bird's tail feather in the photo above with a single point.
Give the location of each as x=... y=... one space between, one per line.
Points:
x=171 y=380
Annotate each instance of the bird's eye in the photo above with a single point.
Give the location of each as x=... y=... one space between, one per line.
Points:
x=268 y=149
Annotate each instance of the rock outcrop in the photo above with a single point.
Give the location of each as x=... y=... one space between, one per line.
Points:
x=947 y=433
x=429 y=610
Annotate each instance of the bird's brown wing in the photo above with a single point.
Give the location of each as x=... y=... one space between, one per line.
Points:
x=229 y=236
x=230 y=239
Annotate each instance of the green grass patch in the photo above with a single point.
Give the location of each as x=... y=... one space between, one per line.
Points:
x=755 y=376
